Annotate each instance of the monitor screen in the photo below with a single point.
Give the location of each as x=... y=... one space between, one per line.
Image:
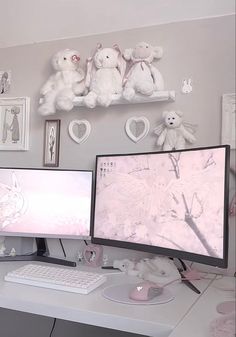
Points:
x=169 y=203
x=45 y=203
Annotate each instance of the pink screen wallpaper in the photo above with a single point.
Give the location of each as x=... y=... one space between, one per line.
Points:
x=47 y=202
x=171 y=200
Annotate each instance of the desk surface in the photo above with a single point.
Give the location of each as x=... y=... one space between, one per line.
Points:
x=150 y=320
x=198 y=320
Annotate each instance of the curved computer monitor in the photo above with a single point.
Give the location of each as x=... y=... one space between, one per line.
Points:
x=45 y=203
x=169 y=203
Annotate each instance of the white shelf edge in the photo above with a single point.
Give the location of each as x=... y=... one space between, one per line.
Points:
x=157 y=96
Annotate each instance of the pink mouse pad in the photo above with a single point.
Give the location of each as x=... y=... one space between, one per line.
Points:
x=226 y=307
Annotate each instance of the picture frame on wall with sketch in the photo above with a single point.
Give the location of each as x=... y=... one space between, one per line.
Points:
x=14 y=123
x=51 y=142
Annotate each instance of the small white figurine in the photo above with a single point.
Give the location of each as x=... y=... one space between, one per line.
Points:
x=12 y=252
x=187 y=86
x=80 y=256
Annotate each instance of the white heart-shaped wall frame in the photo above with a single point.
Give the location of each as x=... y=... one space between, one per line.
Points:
x=78 y=123
x=146 y=126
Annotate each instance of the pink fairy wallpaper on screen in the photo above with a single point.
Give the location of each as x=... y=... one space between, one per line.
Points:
x=45 y=202
x=171 y=200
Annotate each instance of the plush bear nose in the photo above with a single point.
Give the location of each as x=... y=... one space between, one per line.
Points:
x=75 y=58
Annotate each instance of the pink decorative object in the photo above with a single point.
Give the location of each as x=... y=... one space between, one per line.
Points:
x=93 y=255
x=223 y=326
x=226 y=307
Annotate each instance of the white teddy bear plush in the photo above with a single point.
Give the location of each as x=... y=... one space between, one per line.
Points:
x=60 y=89
x=173 y=132
x=143 y=77
x=105 y=71
x=159 y=269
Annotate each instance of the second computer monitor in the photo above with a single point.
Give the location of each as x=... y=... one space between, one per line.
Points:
x=45 y=203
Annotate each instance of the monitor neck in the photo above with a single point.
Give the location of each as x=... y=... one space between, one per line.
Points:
x=41 y=254
x=42 y=247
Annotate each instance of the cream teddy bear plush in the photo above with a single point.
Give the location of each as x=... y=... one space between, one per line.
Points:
x=173 y=132
x=67 y=81
x=105 y=71
x=143 y=77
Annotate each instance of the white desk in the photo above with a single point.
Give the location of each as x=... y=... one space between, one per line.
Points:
x=94 y=309
x=197 y=321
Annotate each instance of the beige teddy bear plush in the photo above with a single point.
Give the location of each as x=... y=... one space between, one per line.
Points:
x=67 y=81
x=173 y=132
x=143 y=77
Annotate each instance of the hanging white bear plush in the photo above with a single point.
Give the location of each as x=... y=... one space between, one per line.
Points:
x=105 y=71
x=67 y=81
x=143 y=77
x=173 y=133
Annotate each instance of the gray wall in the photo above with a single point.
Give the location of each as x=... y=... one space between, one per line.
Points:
x=203 y=50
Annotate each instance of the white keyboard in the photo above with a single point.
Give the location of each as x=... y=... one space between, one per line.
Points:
x=65 y=279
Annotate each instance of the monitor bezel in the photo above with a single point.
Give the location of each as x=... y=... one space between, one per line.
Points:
x=46 y=235
x=172 y=253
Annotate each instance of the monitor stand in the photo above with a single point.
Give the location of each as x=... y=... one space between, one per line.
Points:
x=41 y=254
x=187 y=282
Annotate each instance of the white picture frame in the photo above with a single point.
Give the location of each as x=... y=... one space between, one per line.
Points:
x=228 y=135
x=14 y=123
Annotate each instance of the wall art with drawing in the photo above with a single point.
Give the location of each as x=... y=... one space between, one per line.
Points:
x=51 y=142
x=14 y=124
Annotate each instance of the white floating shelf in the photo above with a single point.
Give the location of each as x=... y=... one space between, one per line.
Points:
x=157 y=96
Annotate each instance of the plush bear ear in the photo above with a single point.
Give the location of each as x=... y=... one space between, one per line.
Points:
x=121 y=64
x=91 y=69
x=128 y=53
x=179 y=113
x=157 y=52
x=55 y=59
x=98 y=47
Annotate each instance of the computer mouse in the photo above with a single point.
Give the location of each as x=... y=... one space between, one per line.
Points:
x=145 y=291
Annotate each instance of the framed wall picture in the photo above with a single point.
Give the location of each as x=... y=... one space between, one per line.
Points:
x=51 y=142
x=228 y=120
x=14 y=123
